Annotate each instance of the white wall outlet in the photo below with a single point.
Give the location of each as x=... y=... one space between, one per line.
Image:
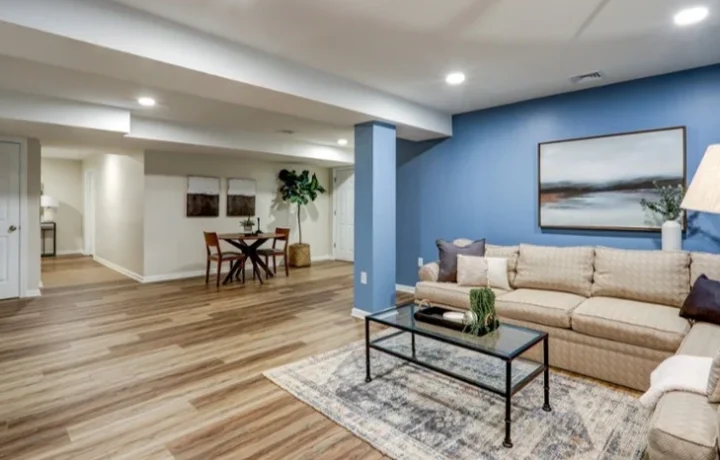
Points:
x=420 y=262
x=363 y=277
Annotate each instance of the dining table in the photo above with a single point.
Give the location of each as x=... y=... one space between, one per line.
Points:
x=248 y=244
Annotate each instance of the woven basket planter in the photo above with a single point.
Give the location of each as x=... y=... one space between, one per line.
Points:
x=299 y=255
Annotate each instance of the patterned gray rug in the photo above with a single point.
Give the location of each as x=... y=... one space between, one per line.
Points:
x=408 y=412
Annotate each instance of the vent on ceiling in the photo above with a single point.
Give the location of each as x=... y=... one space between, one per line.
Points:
x=587 y=78
x=289 y=132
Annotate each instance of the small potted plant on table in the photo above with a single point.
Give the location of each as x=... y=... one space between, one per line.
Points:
x=247 y=224
x=482 y=317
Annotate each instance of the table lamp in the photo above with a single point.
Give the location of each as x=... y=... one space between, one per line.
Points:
x=48 y=205
x=703 y=194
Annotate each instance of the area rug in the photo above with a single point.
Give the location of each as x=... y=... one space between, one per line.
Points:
x=408 y=412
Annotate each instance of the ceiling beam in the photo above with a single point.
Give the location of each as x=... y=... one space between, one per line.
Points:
x=225 y=138
x=61 y=112
x=78 y=118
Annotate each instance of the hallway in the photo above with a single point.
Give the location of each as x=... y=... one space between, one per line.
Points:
x=75 y=271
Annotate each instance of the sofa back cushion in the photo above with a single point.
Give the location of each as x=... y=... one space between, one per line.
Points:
x=702 y=263
x=555 y=269
x=661 y=277
x=511 y=253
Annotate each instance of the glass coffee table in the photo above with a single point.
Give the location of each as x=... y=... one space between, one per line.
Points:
x=506 y=343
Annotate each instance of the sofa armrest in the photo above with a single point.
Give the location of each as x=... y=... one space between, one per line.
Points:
x=429 y=272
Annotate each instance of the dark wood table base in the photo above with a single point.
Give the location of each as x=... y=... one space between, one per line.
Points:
x=250 y=251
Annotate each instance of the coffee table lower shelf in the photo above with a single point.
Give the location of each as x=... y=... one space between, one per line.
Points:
x=507 y=392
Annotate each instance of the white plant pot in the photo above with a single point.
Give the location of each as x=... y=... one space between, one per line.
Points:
x=671 y=236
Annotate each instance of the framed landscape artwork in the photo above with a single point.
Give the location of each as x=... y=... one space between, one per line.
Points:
x=597 y=183
x=241 y=197
x=203 y=197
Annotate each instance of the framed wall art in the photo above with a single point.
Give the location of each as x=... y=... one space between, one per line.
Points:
x=597 y=183
x=203 y=197
x=241 y=195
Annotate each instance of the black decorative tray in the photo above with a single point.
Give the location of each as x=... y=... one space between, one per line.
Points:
x=434 y=315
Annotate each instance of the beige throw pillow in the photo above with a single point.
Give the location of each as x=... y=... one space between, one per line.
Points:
x=482 y=271
x=713 y=386
x=471 y=271
x=498 y=272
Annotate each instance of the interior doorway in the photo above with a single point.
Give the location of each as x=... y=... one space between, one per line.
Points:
x=89 y=213
x=344 y=214
x=10 y=220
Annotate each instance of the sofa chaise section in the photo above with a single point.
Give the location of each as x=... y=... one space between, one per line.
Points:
x=684 y=425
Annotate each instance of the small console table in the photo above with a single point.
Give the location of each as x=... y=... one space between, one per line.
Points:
x=44 y=228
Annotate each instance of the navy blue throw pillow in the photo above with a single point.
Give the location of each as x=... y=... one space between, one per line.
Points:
x=703 y=302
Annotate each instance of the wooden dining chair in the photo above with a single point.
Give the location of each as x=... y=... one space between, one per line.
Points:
x=276 y=251
x=216 y=254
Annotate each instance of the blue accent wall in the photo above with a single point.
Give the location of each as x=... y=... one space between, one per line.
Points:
x=482 y=182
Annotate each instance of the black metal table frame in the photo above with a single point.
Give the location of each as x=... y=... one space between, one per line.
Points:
x=250 y=251
x=510 y=389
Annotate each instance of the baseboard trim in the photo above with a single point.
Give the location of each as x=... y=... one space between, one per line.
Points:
x=198 y=273
x=358 y=313
x=173 y=276
x=29 y=293
x=405 y=288
x=119 y=269
x=312 y=259
x=361 y=314
x=76 y=252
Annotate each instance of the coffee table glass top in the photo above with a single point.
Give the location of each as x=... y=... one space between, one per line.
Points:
x=507 y=341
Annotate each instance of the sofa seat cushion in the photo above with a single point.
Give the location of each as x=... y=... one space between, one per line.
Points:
x=551 y=308
x=683 y=427
x=449 y=294
x=636 y=323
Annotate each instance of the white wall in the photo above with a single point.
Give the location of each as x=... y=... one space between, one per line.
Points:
x=119 y=196
x=174 y=243
x=63 y=180
x=32 y=189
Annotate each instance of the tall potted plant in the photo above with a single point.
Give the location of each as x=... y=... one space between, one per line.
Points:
x=301 y=190
x=668 y=207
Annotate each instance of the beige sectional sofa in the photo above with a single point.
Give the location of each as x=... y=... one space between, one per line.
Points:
x=613 y=315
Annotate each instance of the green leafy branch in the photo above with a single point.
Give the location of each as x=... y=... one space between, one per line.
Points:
x=668 y=206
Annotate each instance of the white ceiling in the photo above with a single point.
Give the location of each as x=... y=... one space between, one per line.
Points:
x=511 y=50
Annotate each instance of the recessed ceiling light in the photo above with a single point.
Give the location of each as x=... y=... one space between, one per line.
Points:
x=455 y=78
x=690 y=16
x=342 y=142
x=146 y=101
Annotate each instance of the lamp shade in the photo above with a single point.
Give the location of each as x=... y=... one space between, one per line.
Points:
x=47 y=201
x=703 y=194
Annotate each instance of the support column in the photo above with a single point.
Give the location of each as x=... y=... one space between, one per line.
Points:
x=375 y=246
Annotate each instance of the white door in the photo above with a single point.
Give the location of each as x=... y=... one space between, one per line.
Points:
x=89 y=214
x=344 y=199
x=9 y=220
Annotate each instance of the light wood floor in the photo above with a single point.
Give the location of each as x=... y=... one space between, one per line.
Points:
x=64 y=271
x=114 y=369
